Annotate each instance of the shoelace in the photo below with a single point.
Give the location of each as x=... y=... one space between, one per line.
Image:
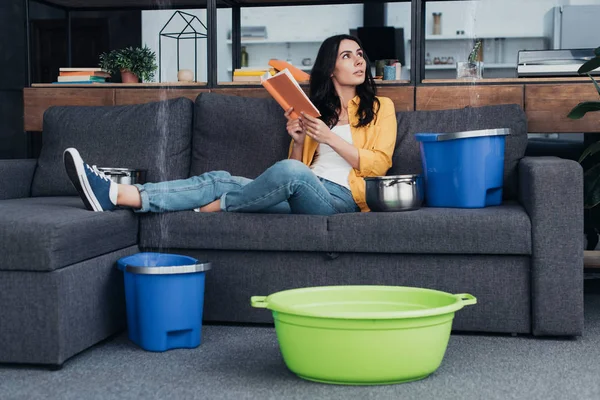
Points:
x=99 y=173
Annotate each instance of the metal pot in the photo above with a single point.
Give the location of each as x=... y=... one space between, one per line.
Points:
x=395 y=193
x=125 y=176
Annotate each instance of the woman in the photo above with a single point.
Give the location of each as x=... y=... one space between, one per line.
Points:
x=328 y=159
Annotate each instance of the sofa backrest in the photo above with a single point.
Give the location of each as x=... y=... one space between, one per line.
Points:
x=153 y=136
x=241 y=135
x=407 y=155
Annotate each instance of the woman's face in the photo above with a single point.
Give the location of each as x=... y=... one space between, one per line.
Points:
x=350 y=65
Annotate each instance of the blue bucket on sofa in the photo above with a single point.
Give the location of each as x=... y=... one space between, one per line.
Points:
x=463 y=169
x=164 y=295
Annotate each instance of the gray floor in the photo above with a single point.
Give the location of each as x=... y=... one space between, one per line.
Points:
x=241 y=362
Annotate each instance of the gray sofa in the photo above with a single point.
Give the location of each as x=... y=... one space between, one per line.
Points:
x=61 y=293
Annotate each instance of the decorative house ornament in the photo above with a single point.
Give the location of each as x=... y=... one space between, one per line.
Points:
x=193 y=29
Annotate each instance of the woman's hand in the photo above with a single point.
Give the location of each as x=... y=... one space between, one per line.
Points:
x=316 y=129
x=294 y=127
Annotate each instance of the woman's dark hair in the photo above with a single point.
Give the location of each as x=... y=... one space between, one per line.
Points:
x=321 y=89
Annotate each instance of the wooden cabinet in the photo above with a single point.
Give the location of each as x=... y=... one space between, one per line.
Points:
x=38 y=98
x=546 y=105
x=448 y=97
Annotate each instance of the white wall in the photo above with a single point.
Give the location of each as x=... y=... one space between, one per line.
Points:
x=482 y=18
x=491 y=17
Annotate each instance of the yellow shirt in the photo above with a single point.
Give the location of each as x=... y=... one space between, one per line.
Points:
x=375 y=143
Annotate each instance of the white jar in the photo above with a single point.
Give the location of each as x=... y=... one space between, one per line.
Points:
x=185 y=75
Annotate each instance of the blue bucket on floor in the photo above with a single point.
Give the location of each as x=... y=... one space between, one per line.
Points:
x=463 y=169
x=164 y=295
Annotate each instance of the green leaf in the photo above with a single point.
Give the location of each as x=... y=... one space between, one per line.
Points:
x=591 y=187
x=589 y=65
x=582 y=108
x=595 y=83
x=591 y=149
x=597 y=51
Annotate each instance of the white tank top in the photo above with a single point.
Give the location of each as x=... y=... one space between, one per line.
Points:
x=330 y=165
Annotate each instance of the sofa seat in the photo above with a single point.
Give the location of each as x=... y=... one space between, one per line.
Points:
x=504 y=229
x=48 y=233
x=234 y=231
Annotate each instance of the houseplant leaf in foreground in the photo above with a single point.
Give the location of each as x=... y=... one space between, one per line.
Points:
x=580 y=109
x=589 y=65
x=591 y=186
x=592 y=149
x=595 y=83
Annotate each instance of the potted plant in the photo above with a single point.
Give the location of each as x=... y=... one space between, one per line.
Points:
x=590 y=164
x=135 y=64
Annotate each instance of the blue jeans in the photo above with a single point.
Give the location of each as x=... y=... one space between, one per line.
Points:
x=287 y=187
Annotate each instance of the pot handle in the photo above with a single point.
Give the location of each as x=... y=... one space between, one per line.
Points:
x=391 y=183
x=394 y=181
x=466 y=299
x=259 y=302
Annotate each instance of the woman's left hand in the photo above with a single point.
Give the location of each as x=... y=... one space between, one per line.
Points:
x=316 y=129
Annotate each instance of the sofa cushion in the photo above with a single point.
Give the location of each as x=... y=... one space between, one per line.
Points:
x=234 y=231
x=241 y=135
x=504 y=229
x=48 y=233
x=407 y=155
x=154 y=136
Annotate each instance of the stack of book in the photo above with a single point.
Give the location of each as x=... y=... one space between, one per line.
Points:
x=82 y=75
x=251 y=75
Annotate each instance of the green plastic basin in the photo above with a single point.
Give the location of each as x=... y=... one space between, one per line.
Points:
x=363 y=335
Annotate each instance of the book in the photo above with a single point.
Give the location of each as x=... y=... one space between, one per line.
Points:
x=91 y=78
x=69 y=69
x=242 y=78
x=252 y=72
x=78 y=83
x=101 y=74
x=288 y=93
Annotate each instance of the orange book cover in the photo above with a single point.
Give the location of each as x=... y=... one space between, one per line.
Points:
x=101 y=74
x=297 y=73
x=288 y=93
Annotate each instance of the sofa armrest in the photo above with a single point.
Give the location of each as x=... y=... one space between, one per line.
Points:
x=16 y=177
x=551 y=191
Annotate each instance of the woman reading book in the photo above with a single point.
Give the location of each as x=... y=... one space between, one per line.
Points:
x=328 y=160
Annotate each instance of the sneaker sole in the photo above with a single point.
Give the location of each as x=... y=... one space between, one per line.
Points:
x=74 y=167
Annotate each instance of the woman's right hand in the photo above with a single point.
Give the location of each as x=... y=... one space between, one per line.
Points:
x=294 y=127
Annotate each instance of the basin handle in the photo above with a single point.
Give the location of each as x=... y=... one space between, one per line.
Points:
x=466 y=299
x=258 y=302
